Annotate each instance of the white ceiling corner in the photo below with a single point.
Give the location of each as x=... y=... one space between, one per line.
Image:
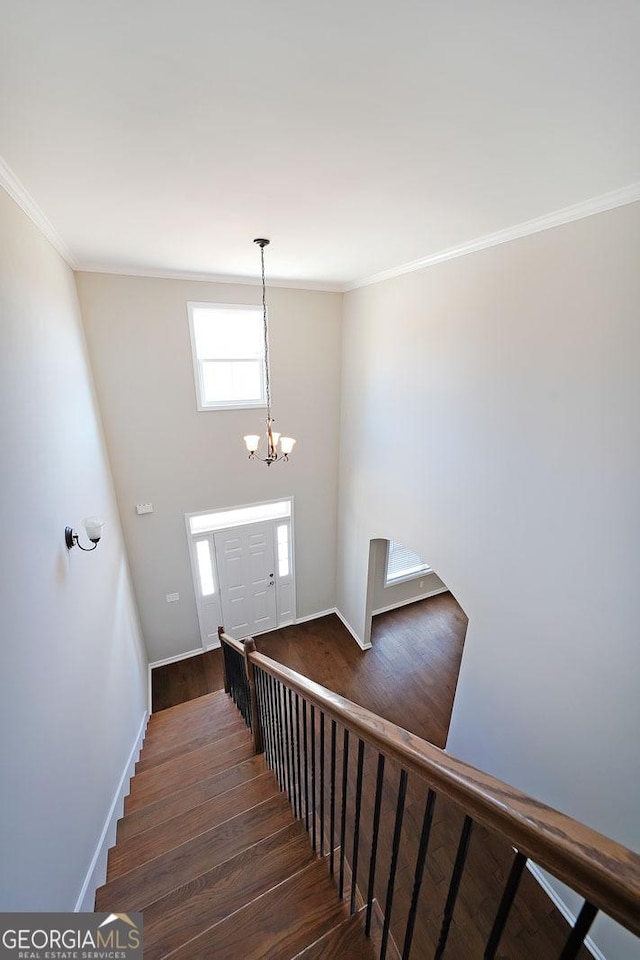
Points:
x=16 y=190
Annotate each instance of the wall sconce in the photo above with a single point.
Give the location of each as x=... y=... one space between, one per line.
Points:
x=93 y=526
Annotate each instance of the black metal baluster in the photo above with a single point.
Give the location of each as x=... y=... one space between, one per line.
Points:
x=332 y=800
x=454 y=886
x=402 y=793
x=260 y=700
x=266 y=719
x=374 y=842
x=356 y=827
x=306 y=767
x=272 y=724
x=313 y=777
x=293 y=756
x=283 y=753
x=247 y=694
x=286 y=742
x=510 y=890
x=580 y=929
x=321 y=784
x=343 y=814
x=276 y=731
x=276 y=705
x=298 y=755
x=419 y=873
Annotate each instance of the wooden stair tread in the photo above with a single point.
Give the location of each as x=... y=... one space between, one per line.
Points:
x=190 y=796
x=346 y=941
x=187 y=912
x=209 y=701
x=276 y=925
x=158 y=738
x=234 y=736
x=150 y=881
x=154 y=842
x=192 y=723
x=159 y=781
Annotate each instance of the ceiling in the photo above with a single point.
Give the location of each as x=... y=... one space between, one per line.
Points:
x=163 y=135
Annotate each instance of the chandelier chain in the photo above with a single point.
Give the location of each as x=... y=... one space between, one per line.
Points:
x=267 y=372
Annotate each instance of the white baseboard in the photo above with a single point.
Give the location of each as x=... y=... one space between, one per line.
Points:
x=177 y=657
x=558 y=902
x=316 y=616
x=97 y=872
x=405 y=603
x=355 y=636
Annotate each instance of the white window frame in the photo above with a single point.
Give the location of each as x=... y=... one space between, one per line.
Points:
x=197 y=363
x=413 y=574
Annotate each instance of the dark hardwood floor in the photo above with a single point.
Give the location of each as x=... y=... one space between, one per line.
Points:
x=409 y=676
x=185 y=680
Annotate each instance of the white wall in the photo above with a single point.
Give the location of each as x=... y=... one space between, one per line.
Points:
x=505 y=386
x=164 y=451
x=73 y=667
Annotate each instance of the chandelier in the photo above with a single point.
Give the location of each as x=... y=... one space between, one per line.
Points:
x=252 y=441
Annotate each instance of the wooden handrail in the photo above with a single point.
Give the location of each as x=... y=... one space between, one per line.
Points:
x=231 y=642
x=599 y=869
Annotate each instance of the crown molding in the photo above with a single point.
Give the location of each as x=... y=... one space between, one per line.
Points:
x=18 y=192
x=578 y=211
x=124 y=271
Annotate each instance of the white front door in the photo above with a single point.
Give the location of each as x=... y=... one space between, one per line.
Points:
x=246 y=571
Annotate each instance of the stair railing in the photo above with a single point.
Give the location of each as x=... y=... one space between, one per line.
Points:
x=313 y=739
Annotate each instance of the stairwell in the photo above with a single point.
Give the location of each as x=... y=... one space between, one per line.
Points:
x=209 y=850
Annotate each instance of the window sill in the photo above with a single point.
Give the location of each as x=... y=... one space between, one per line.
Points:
x=411 y=576
x=213 y=408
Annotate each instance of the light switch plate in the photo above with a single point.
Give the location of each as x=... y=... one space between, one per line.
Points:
x=172 y=597
x=144 y=508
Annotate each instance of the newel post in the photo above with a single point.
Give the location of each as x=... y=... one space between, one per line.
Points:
x=249 y=648
x=227 y=688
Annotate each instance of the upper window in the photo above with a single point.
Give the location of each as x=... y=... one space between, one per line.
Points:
x=403 y=564
x=228 y=355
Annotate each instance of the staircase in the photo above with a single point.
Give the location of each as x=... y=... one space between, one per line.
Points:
x=209 y=850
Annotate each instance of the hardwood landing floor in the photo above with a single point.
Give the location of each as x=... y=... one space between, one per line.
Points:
x=408 y=676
